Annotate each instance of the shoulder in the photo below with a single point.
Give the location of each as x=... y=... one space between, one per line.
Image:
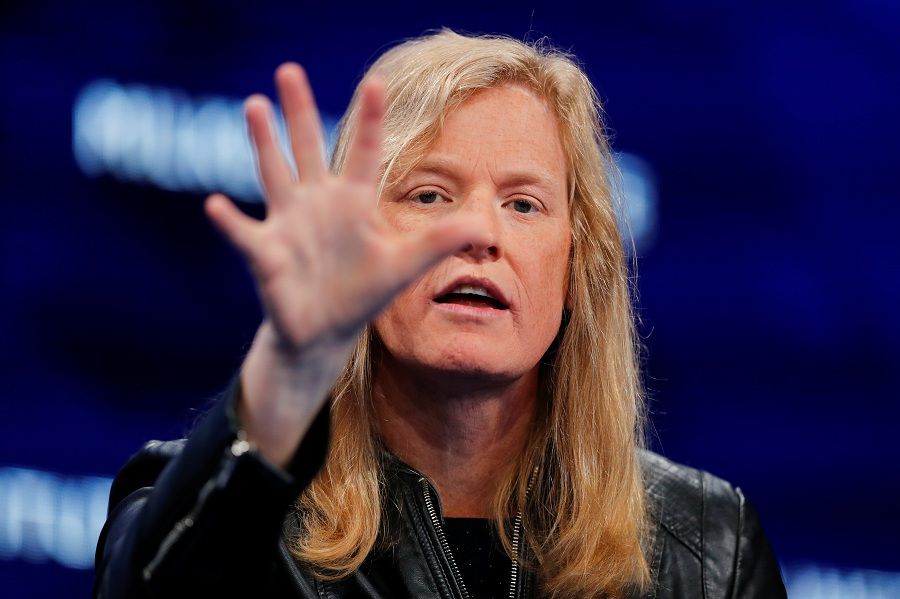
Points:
x=693 y=505
x=143 y=468
x=707 y=536
x=700 y=510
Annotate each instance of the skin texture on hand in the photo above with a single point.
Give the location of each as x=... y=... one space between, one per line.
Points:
x=323 y=261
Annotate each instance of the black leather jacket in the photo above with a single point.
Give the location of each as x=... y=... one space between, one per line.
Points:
x=206 y=517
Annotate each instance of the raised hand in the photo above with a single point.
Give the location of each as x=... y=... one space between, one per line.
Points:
x=324 y=262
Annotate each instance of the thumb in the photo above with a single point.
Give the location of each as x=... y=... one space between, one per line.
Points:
x=419 y=252
x=236 y=226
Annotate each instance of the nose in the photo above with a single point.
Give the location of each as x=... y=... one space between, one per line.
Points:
x=484 y=244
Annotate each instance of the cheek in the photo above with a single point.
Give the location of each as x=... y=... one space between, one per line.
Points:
x=401 y=322
x=397 y=318
x=390 y=317
x=553 y=271
x=547 y=282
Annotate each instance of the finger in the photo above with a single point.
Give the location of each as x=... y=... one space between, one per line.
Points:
x=419 y=252
x=237 y=227
x=302 y=116
x=364 y=155
x=274 y=170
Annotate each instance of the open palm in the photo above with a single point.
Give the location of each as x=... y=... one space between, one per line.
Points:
x=323 y=260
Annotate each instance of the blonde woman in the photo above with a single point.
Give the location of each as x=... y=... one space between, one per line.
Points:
x=443 y=398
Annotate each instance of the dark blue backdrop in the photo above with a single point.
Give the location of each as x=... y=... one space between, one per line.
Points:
x=768 y=286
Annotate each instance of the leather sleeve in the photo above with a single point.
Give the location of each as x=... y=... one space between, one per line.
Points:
x=201 y=518
x=756 y=573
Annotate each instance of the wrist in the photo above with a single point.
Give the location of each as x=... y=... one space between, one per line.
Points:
x=284 y=390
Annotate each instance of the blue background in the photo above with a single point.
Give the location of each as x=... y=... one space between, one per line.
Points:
x=768 y=292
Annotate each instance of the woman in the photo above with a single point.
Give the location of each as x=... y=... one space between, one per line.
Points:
x=450 y=304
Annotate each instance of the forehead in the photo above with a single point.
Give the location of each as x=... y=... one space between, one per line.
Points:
x=503 y=127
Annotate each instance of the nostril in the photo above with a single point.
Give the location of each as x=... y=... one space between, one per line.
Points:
x=481 y=249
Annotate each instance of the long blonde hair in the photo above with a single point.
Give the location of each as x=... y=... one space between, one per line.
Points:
x=585 y=519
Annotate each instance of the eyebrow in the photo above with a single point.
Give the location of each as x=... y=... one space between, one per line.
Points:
x=449 y=169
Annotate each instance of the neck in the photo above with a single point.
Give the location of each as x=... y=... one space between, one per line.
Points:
x=462 y=433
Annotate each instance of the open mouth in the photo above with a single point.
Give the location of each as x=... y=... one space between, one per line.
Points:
x=471 y=299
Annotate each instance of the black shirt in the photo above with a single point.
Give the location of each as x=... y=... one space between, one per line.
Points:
x=483 y=564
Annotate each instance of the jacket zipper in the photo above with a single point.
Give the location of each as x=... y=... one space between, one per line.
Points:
x=432 y=513
x=514 y=574
x=517 y=534
x=227 y=465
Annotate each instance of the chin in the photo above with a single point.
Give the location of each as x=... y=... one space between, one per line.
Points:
x=465 y=357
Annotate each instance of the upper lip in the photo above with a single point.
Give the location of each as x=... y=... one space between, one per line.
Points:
x=488 y=285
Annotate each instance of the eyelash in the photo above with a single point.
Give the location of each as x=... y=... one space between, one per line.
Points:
x=417 y=195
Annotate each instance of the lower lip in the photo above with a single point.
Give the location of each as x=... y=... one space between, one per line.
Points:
x=464 y=310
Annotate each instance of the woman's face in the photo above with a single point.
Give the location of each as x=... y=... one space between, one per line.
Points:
x=499 y=158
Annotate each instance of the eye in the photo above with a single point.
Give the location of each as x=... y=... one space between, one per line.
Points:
x=523 y=206
x=426 y=197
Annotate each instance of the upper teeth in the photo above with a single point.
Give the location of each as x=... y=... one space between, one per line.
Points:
x=472 y=289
